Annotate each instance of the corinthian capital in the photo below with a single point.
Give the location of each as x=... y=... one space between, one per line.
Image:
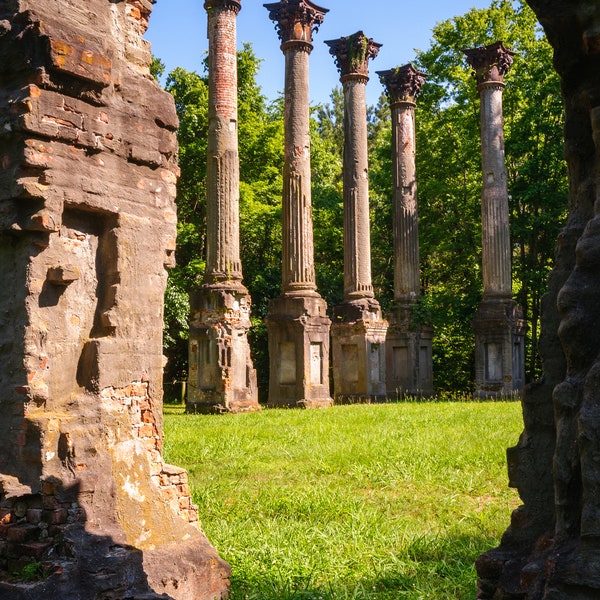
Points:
x=296 y=20
x=402 y=84
x=490 y=63
x=352 y=53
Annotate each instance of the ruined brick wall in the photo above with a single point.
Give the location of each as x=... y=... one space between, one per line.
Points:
x=87 y=229
x=552 y=548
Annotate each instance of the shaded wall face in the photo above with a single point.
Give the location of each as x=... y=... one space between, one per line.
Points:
x=87 y=229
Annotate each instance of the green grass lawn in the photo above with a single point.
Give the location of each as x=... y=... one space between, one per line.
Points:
x=383 y=502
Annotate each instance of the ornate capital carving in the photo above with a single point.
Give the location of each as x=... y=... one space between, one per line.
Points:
x=352 y=54
x=296 y=20
x=402 y=84
x=233 y=5
x=490 y=63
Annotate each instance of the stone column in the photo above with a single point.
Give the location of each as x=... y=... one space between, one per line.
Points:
x=408 y=343
x=498 y=324
x=358 y=332
x=221 y=374
x=297 y=322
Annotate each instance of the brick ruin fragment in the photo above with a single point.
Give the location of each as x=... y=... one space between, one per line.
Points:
x=87 y=230
x=552 y=548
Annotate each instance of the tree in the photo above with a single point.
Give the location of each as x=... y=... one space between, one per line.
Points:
x=327 y=149
x=190 y=92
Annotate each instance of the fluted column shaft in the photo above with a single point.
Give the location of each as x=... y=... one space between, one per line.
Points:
x=352 y=55
x=403 y=85
x=496 y=253
x=405 y=213
x=295 y=21
x=222 y=174
x=490 y=64
x=298 y=272
x=357 y=236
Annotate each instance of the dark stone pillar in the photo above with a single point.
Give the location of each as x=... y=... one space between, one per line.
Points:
x=221 y=374
x=297 y=322
x=551 y=551
x=358 y=331
x=498 y=324
x=408 y=352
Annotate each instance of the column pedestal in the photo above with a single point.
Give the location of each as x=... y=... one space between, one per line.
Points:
x=408 y=355
x=358 y=347
x=222 y=377
x=298 y=328
x=499 y=349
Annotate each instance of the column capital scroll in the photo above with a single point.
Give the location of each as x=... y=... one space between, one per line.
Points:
x=402 y=84
x=352 y=54
x=296 y=20
x=490 y=63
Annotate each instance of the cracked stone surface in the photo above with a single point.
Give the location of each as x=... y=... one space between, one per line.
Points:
x=87 y=231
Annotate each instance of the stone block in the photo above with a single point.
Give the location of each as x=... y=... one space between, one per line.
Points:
x=57 y=516
x=34 y=515
x=21 y=533
x=146 y=431
x=81 y=59
x=170 y=493
x=34 y=550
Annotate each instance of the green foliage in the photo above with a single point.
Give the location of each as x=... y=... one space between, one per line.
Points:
x=407 y=496
x=175 y=334
x=327 y=146
x=157 y=68
x=449 y=183
x=190 y=92
x=32 y=571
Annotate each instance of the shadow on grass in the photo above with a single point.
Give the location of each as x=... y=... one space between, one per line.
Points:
x=429 y=568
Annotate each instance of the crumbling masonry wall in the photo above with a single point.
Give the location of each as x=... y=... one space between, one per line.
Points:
x=552 y=547
x=87 y=229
